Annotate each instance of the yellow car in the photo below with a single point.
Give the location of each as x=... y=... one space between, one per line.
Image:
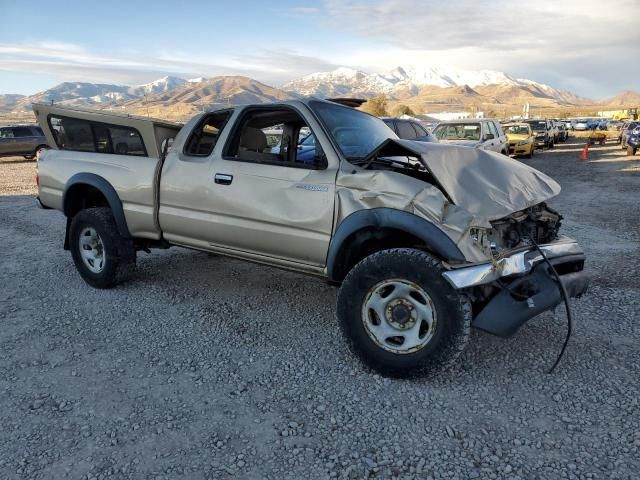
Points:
x=520 y=138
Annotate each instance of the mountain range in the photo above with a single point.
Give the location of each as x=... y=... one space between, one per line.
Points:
x=423 y=89
x=409 y=81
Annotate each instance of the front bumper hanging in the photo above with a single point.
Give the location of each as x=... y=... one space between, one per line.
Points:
x=527 y=286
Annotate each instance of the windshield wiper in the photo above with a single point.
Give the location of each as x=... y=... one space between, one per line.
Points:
x=366 y=161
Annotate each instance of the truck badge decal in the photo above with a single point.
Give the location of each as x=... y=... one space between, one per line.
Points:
x=312 y=188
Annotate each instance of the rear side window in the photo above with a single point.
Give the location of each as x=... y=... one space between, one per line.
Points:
x=389 y=124
x=205 y=135
x=22 y=132
x=406 y=131
x=421 y=132
x=6 y=133
x=88 y=136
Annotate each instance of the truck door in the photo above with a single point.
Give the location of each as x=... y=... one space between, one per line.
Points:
x=264 y=191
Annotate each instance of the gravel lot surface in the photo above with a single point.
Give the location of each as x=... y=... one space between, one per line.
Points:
x=204 y=367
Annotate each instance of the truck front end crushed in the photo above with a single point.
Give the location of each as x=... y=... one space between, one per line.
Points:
x=494 y=210
x=509 y=290
x=518 y=282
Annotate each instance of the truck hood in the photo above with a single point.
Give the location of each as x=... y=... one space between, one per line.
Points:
x=486 y=184
x=517 y=137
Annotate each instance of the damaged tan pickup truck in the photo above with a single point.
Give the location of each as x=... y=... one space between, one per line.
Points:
x=424 y=240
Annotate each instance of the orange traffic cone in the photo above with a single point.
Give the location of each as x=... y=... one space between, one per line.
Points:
x=585 y=150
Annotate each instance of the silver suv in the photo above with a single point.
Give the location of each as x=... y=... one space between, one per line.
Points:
x=25 y=140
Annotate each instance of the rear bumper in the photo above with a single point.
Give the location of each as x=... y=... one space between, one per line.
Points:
x=40 y=204
x=531 y=288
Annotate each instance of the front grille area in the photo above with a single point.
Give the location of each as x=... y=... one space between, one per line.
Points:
x=540 y=223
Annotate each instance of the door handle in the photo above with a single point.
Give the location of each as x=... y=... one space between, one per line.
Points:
x=223 y=179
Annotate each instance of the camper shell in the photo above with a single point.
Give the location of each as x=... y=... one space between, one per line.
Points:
x=152 y=132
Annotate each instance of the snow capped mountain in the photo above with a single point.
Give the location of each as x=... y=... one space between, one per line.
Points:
x=82 y=93
x=163 y=84
x=419 y=86
x=338 y=82
x=349 y=82
x=92 y=94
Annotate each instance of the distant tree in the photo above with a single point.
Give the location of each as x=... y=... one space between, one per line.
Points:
x=402 y=109
x=376 y=106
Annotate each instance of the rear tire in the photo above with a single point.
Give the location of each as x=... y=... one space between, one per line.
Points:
x=103 y=258
x=427 y=333
x=38 y=150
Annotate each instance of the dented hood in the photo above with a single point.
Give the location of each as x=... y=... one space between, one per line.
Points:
x=488 y=185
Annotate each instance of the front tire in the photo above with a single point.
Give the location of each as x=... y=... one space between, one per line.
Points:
x=399 y=314
x=631 y=151
x=531 y=152
x=103 y=258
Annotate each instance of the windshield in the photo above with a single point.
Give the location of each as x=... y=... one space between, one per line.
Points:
x=458 y=131
x=356 y=133
x=538 y=126
x=517 y=129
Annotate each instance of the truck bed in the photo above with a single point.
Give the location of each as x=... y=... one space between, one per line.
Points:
x=123 y=150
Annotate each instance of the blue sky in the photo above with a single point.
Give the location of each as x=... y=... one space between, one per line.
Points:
x=587 y=46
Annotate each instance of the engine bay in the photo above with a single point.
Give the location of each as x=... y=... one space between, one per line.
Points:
x=540 y=223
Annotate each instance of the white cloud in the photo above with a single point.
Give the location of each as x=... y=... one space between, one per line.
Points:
x=71 y=62
x=588 y=46
x=539 y=39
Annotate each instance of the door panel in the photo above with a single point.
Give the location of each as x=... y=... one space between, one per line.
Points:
x=271 y=210
x=258 y=202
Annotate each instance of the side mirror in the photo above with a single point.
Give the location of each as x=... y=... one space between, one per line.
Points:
x=319 y=159
x=489 y=136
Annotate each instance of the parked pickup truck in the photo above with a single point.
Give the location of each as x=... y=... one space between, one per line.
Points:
x=424 y=240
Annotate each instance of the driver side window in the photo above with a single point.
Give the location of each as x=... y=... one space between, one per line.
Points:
x=276 y=136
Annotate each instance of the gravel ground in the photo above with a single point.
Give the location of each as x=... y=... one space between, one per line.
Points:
x=204 y=367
